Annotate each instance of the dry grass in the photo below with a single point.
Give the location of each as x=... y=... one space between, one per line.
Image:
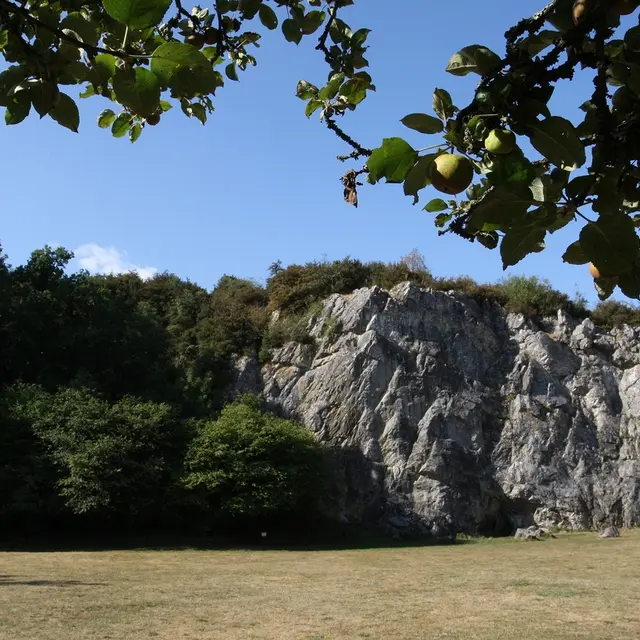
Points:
x=576 y=586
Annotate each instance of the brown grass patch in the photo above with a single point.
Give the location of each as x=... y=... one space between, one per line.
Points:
x=576 y=586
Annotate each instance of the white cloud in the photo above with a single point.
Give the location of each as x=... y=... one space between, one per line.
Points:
x=97 y=259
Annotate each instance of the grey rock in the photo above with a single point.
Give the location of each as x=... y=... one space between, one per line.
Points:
x=531 y=533
x=246 y=373
x=610 y=532
x=449 y=414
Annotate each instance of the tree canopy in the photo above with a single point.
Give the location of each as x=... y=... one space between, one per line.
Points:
x=147 y=56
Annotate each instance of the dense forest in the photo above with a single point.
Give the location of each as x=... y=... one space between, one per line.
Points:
x=115 y=403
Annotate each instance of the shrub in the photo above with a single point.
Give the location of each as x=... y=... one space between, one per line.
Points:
x=295 y=288
x=611 y=314
x=331 y=328
x=532 y=296
x=250 y=464
x=235 y=318
x=111 y=459
x=289 y=328
x=387 y=276
x=27 y=475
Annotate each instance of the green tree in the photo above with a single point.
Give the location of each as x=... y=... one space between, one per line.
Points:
x=250 y=464
x=147 y=56
x=61 y=326
x=111 y=459
x=27 y=474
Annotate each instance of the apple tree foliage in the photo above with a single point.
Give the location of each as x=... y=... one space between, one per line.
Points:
x=146 y=56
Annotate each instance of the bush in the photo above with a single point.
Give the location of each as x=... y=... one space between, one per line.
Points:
x=387 y=276
x=612 y=314
x=235 y=318
x=532 y=296
x=295 y=288
x=251 y=465
x=111 y=459
x=27 y=475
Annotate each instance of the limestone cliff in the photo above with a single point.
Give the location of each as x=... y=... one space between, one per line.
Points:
x=456 y=415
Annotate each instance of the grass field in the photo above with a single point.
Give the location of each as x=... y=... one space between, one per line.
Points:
x=576 y=586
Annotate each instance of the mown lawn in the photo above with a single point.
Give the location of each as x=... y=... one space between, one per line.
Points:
x=576 y=586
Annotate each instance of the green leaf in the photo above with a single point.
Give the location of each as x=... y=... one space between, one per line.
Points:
x=291 y=31
x=538 y=42
x=442 y=104
x=268 y=17
x=305 y=90
x=629 y=282
x=512 y=168
x=581 y=186
x=617 y=74
x=518 y=243
x=165 y=106
x=436 y=205
x=331 y=89
x=633 y=82
x=134 y=131
x=88 y=30
x=557 y=140
x=43 y=96
x=611 y=244
x=121 y=125
x=418 y=177
x=632 y=39
x=312 y=107
x=138 y=89
x=88 y=92
x=102 y=70
x=67 y=50
x=393 y=160
x=473 y=59
x=575 y=254
x=137 y=14
x=441 y=219
x=502 y=206
x=18 y=108
x=312 y=22
x=360 y=37
x=9 y=78
x=4 y=39
x=231 y=72
x=199 y=112
x=489 y=240
x=183 y=68
x=605 y=287
x=249 y=8
x=355 y=90
x=73 y=72
x=66 y=113
x=608 y=198
x=106 y=118
x=545 y=189
x=423 y=123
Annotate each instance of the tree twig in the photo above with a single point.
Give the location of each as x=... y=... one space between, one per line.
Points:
x=359 y=149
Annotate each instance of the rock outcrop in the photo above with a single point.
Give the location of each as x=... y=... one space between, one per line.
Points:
x=452 y=415
x=610 y=532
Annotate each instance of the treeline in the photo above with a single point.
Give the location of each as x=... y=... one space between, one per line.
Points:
x=114 y=392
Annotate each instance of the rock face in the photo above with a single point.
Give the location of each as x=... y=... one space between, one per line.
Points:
x=451 y=415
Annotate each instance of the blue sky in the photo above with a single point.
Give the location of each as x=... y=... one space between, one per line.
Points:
x=260 y=182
